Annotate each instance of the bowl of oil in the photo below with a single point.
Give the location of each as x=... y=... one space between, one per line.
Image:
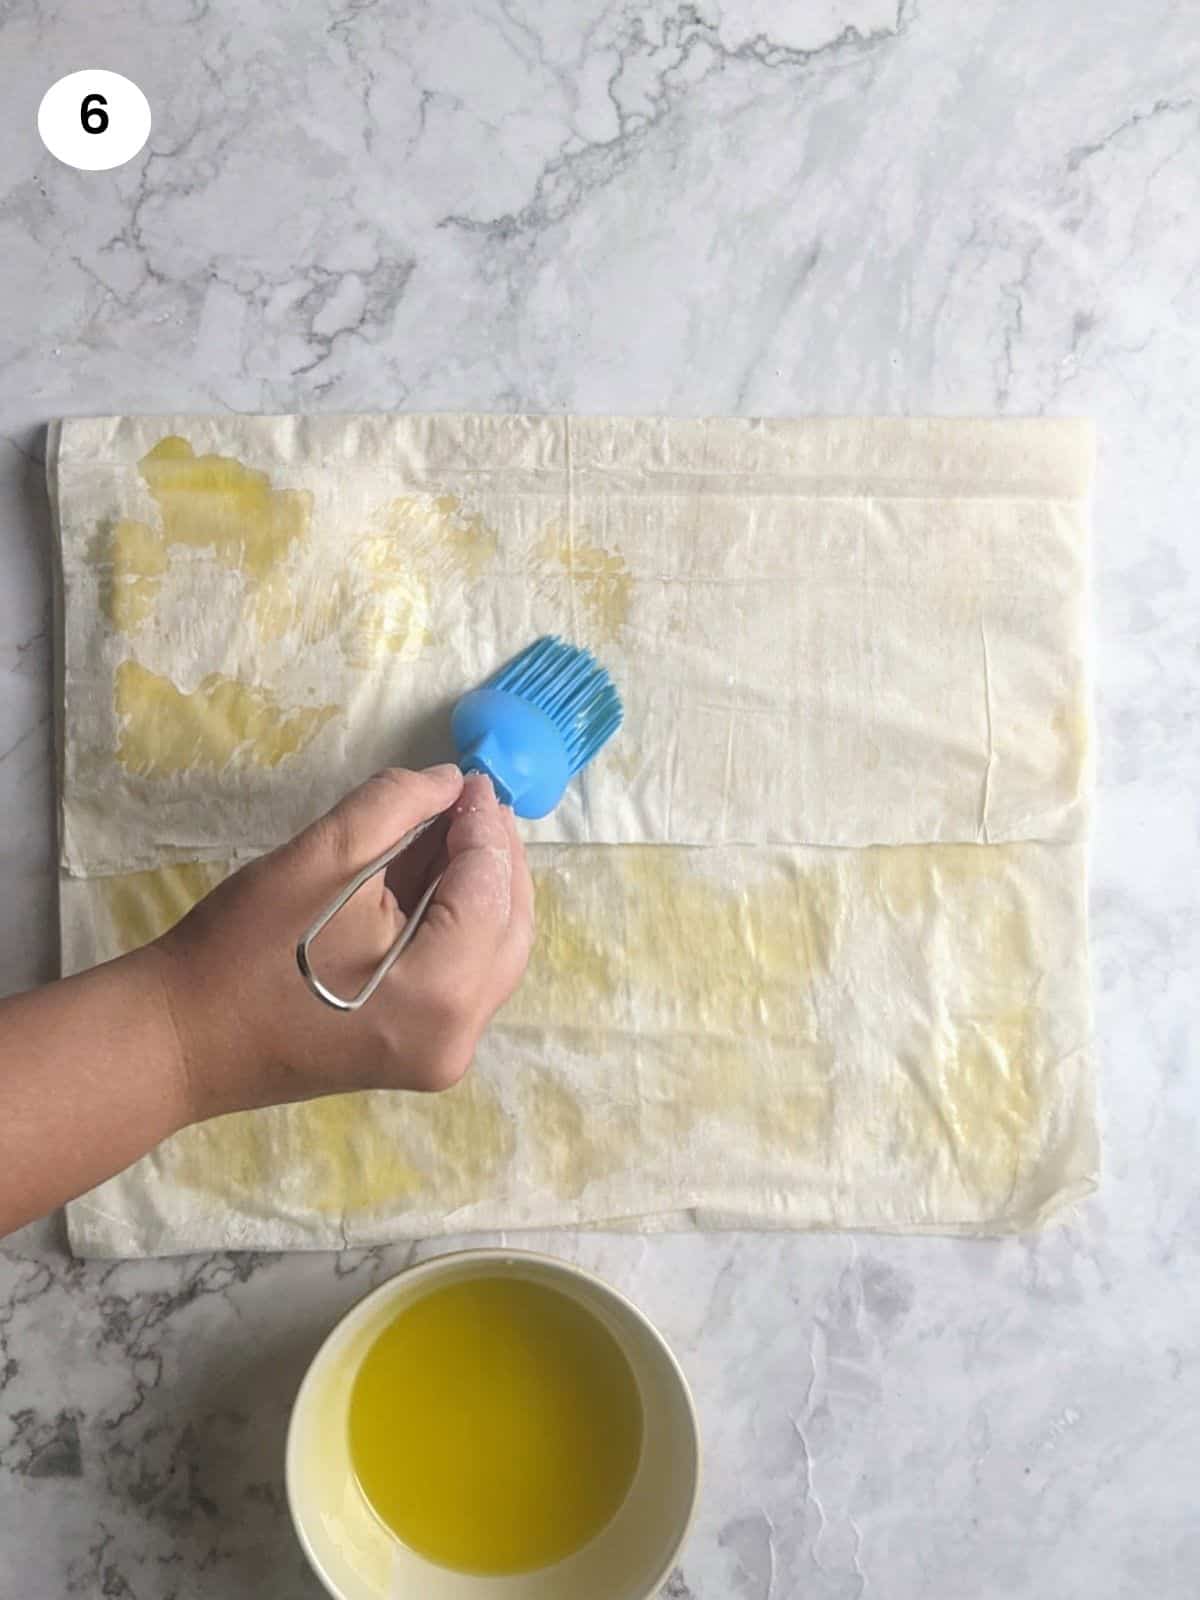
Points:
x=493 y=1425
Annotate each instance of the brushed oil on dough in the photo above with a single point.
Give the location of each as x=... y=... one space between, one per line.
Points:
x=418 y=549
x=964 y=1090
x=333 y=1155
x=130 y=559
x=637 y=942
x=460 y=541
x=214 y=502
x=703 y=958
x=379 y=604
x=736 y=963
x=631 y=942
x=432 y=535
x=142 y=905
x=909 y=878
x=165 y=730
x=721 y=1083
x=964 y=1096
x=702 y=1005
x=391 y=616
x=350 y=1155
x=599 y=579
x=297 y=606
x=969 y=890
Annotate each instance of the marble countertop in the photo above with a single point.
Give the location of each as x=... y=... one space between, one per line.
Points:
x=851 y=206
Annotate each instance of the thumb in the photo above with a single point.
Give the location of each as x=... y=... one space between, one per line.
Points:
x=469 y=915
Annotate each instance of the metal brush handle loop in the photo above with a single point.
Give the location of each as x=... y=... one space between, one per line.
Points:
x=402 y=941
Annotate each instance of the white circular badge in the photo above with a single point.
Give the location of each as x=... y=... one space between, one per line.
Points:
x=94 y=120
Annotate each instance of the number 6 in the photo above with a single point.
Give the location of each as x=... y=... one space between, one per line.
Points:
x=92 y=113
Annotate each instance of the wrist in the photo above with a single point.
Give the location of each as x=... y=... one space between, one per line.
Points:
x=146 y=974
x=195 y=1034
x=220 y=1064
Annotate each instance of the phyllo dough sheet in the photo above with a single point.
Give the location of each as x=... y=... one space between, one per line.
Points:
x=812 y=937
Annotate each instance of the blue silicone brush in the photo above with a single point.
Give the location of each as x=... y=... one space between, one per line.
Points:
x=536 y=723
x=531 y=727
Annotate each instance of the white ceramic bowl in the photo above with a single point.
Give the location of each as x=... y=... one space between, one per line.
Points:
x=356 y=1558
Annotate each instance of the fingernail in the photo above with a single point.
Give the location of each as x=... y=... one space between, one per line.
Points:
x=444 y=770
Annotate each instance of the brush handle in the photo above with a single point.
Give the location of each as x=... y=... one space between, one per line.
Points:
x=402 y=940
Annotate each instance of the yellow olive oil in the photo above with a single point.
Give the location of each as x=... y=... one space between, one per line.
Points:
x=495 y=1425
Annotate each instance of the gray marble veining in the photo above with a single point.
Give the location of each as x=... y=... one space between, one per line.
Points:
x=852 y=206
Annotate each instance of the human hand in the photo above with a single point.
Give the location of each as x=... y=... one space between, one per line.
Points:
x=251 y=1033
